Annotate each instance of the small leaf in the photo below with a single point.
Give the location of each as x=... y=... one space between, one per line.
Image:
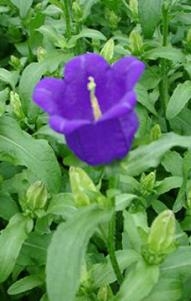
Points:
x=9 y=77
x=144 y=99
x=25 y=284
x=66 y=252
x=11 y=241
x=179 y=99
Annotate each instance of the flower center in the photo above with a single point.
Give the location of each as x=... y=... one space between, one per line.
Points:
x=93 y=99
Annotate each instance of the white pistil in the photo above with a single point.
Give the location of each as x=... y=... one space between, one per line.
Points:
x=93 y=99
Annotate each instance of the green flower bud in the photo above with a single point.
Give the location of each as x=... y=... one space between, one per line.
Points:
x=147 y=183
x=161 y=238
x=81 y=184
x=108 y=50
x=162 y=232
x=155 y=132
x=41 y=53
x=112 y=18
x=16 y=106
x=104 y=293
x=77 y=11
x=133 y=6
x=36 y=197
x=135 y=42
x=15 y=62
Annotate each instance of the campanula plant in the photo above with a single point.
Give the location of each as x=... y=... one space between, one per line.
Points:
x=93 y=106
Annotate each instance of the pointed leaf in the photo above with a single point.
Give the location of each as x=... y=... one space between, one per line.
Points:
x=150 y=155
x=20 y=148
x=11 y=241
x=149 y=13
x=139 y=282
x=67 y=250
x=179 y=99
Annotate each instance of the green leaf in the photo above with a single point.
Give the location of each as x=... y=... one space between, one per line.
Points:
x=167 y=289
x=173 y=163
x=166 y=52
x=181 y=123
x=103 y=274
x=62 y=204
x=8 y=77
x=25 y=284
x=27 y=83
x=20 y=148
x=23 y=6
x=139 y=282
x=66 y=252
x=91 y=33
x=179 y=99
x=149 y=14
x=11 y=241
x=133 y=223
x=144 y=99
x=86 y=33
x=150 y=155
x=168 y=184
x=8 y=207
x=178 y=261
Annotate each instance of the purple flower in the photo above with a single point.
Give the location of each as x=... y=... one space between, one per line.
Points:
x=93 y=106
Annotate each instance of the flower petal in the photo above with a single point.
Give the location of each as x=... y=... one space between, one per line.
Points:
x=128 y=70
x=47 y=94
x=65 y=126
x=103 y=142
x=76 y=74
x=125 y=106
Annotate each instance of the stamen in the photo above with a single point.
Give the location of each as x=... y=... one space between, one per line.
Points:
x=93 y=99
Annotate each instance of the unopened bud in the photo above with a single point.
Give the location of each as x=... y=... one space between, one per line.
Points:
x=135 y=42
x=108 y=50
x=155 y=132
x=77 y=11
x=133 y=6
x=81 y=184
x=161 y=237
x=36 y=197
x=104 y=293
x=41 y=53
x=112 y=18
x=15 y=62
x=162 y=232
x=147 y=183
x=16 y=106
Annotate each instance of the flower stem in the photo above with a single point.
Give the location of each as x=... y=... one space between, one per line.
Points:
x=164 y=62
x=111 y=249
x=67 y=12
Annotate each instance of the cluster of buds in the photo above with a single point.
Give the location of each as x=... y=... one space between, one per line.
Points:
x=147 y=183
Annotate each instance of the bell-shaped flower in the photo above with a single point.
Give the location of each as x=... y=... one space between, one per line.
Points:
x=93 y=106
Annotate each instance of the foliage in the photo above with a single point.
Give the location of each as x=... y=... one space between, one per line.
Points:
x=94 y=233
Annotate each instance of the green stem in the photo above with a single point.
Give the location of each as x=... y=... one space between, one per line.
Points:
x=67 y=12
x=164 y=63
x=111 y=249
